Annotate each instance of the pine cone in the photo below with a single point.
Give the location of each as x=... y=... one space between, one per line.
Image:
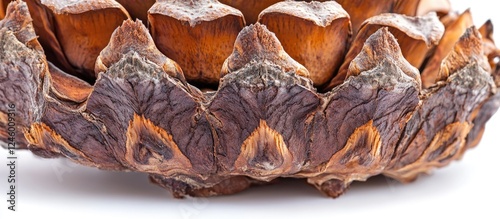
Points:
x=211 y=97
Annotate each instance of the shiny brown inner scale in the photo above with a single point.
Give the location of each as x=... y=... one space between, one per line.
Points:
x=211 y=97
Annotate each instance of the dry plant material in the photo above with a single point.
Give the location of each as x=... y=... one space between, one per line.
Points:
x=490 y=50
x=250 y=8
x=451 y=35
x=416 y=37
x=76 y=31
x=146 y=110
x=316 y=34
x=198 y=34
x=466 y=78
x=22 y=69
x=361 y=10
x=3 y=8
x=138 y=9
x=422 y=7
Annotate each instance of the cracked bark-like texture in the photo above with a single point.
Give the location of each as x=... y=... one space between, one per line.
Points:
x=22 y=68
x=265 y=119
x=437 y=132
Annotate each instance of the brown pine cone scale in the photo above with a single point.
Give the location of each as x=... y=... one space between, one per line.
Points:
x=208 y=105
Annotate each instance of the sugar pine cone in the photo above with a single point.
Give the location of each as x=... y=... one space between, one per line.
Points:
x=211 y=97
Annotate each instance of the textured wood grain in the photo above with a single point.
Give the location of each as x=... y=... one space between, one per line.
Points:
x=365 y=115
x=22 y=68
x=436 y=134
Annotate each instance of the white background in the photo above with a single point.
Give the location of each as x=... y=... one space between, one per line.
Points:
x=468 y=188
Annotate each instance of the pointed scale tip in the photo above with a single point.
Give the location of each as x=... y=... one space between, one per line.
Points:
x=380 y=46
x=468 y=49
x=255 y=43
x=133 y=36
